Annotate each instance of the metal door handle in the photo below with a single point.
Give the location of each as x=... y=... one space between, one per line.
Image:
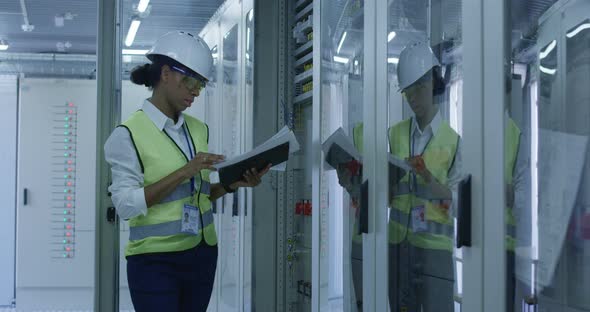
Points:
x=235 y=208
x=464 y=213
x=364 y=209
x=111 y=215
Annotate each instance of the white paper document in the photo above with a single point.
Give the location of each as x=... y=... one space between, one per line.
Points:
x=561 y=161
x=283 y=136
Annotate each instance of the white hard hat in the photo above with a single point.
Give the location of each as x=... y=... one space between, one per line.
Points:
x=186 y=49
x=415 y=60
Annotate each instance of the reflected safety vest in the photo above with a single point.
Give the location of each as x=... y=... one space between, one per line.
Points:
x=438 y=156
x=511 y=145
x=159 y=156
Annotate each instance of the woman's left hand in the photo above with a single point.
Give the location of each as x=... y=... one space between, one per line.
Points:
x=251 y=178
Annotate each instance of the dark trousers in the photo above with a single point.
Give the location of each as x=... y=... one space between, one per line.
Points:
x=420 y=279
x=510 y=281
x=172 y=281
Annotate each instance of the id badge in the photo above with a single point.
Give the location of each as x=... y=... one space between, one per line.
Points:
x=190 y=220
x=419 y=219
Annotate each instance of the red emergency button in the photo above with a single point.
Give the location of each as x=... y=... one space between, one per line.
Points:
x=299 y=208
x=307 y=208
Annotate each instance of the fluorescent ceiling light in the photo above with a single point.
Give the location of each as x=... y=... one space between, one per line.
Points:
x=393 y=60
x=134 y=52
x=132 y=32
x=547 y=71
x=549 y=49
x=341 y=42
x=340 y=59
x=578 y=29
x=3 y=45
x=391 y=36
x=142 y=6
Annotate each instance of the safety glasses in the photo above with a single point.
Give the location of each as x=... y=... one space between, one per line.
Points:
x=192 y=83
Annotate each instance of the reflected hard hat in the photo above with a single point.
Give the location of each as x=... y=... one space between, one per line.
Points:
x=415 y=60
x=186 y=49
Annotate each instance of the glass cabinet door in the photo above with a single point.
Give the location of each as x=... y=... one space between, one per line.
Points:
x=547 y=170
x=341 y=175
x=424 y=111
x=247 y=136
x=229 y=264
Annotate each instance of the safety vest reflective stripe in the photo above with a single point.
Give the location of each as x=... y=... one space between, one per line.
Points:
x=401 y=189
x=431 y=227
x=166 y=228
x=422 y=192
x=205 y=188
x=184 y=190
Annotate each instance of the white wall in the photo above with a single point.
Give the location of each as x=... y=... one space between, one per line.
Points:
x=8 y=120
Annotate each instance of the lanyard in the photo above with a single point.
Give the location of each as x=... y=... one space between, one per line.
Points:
x=413 y=180
x=190 y=151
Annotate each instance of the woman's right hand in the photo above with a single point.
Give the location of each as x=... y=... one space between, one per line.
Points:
x=203 y=161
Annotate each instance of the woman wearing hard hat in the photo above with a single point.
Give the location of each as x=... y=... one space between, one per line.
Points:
x=421 y=276
x=160 y=170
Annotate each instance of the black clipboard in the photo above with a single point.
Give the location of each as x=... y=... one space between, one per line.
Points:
x=235 y=172
x=337 y=155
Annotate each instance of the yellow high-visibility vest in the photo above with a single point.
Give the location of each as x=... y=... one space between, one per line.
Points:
x=159 y=230
x=439 y=156
x=511 y=145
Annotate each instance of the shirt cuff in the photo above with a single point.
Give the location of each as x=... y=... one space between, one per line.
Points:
x=138 y=196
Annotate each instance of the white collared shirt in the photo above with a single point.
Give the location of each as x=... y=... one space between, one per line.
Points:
x=127 y=189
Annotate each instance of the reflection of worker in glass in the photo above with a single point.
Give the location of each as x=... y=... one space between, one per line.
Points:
x=517 y=209
x=421 y=276
x=349 y=177
x=156 y=157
